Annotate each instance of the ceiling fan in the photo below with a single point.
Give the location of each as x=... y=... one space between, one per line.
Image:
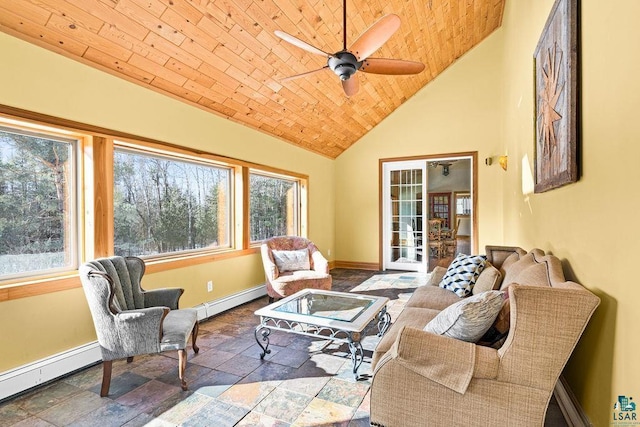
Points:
x=347 y=62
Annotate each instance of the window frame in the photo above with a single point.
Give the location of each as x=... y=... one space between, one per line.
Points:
x=77 y=143
x=168 y=155
x=95 y=199
x=300 y=207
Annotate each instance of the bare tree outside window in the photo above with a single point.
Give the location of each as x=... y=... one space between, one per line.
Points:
x=273 y=207
x=37 y=199
x=163 y=205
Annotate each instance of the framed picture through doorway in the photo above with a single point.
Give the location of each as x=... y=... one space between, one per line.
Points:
x=556 y=98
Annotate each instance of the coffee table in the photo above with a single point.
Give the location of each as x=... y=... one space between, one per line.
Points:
x=337 y=316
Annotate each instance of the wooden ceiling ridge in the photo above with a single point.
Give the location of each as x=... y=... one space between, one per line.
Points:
x=222 y=56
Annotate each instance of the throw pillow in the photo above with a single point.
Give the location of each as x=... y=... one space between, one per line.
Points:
x=462 y=274
x=489 y=279
x=497 y=333
x=469 y=319
x=291 y=260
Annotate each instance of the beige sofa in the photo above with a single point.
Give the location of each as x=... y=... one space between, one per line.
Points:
x=424 y=379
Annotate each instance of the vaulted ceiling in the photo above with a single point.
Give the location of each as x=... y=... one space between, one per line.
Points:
x=223 y=56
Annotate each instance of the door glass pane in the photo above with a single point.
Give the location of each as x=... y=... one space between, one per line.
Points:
x=406 y=216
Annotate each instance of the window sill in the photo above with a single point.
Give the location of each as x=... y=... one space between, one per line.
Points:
x=40 y=286
x=158 y=265
x=32 y=287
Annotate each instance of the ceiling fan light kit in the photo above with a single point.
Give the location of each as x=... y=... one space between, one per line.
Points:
x=347 y=62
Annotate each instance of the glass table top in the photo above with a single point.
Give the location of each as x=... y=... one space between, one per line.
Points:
x=328 y=306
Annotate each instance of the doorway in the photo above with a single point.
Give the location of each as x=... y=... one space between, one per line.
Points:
x=428 y=210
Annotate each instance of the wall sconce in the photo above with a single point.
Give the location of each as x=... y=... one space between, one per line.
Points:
x=503 y=162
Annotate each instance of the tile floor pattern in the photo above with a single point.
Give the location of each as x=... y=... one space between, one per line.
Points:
x=303 y=382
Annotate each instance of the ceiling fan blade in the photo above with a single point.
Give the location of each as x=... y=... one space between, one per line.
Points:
x=351 y=85
x=375 y=36
x=299 y=43
x=391 y=66
x=308 y=73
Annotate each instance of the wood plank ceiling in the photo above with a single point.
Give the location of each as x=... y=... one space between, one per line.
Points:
x=222 y=55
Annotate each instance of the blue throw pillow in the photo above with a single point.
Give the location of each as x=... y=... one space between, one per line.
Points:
x=463 y=273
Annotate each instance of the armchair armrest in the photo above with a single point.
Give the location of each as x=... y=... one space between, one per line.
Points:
x=320 y=263
x=167 y=297
x=270 y=268
x=446 y=361
x=139 y=331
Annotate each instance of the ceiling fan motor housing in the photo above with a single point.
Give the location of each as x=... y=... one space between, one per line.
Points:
x=344 y=64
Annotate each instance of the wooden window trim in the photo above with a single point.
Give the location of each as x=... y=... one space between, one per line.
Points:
x=97 y=153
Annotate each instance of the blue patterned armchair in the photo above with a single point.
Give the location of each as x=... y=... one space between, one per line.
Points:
x=130 y=321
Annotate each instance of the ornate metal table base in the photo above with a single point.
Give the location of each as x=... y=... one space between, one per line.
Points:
x=351 y=338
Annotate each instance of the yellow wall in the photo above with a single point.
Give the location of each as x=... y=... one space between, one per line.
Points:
x=458 y=112
x=34 y=79
x=484 y=102
x=589 y=224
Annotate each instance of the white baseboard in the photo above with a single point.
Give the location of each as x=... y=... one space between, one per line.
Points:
x=211 y=308
x=568 y=403
x=42 y=371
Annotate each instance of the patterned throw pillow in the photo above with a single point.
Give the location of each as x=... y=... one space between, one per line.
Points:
x=291 y=260
x=469 y=319
x=463 y=273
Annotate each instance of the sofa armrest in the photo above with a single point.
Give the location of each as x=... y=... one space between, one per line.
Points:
x=436 y=276
x=320 y=263
x=446 y=361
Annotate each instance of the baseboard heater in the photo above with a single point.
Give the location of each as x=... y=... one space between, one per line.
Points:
x=34 y=374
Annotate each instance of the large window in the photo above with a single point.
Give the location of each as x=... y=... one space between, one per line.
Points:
x=274 y=206
x=71 y=192
x=164 y=205
x=38 y=194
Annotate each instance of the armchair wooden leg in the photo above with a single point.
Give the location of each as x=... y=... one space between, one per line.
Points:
x=106 y=377
x=182 y=365
x=194 y=336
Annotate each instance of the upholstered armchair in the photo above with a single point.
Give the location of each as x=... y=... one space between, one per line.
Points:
x=291 y=264
x=130 y=321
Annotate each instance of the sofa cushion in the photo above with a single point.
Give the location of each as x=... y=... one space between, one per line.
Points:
x=468 y=319
x=508 y=262
x=527 y=271
x=433 y=297
x=292 y=260
x=489 y=279
x=462 y=274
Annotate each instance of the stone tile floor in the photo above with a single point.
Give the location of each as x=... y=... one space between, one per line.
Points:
x=303 y=382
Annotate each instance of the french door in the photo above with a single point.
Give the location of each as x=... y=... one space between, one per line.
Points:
x=404 y=191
